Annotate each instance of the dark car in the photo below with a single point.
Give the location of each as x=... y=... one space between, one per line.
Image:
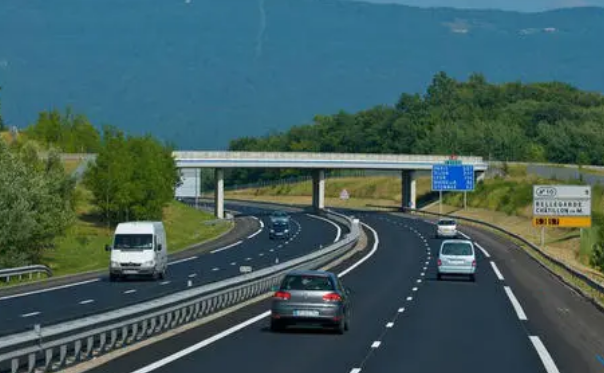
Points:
x=279 y=229
x=311 y=298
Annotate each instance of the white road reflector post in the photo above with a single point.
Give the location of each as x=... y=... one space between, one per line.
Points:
x=245 y=269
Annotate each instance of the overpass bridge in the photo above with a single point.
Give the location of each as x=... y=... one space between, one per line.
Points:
x=318 y=163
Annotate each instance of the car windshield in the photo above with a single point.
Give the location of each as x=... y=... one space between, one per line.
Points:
x=133 y=241
x=457 y=248
x=300 y=282
x=446 y=222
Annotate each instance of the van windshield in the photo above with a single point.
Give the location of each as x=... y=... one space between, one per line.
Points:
x=133 y=242
x=446 y=222
x=455 y=248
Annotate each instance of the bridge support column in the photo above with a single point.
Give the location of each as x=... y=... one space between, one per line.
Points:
x=318 y=190
x=408 y=188
x=219 y=193
x=479 y=176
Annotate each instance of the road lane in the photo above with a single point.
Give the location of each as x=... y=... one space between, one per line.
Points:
x=379 y=287
x=63 y=304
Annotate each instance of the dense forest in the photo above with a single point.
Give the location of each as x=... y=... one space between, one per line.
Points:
x=553 y=122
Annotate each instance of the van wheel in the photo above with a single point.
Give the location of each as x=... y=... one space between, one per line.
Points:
x=439 y=276
x=162 y=275
x=112 y=278
x=473 y=278
x=341 y=328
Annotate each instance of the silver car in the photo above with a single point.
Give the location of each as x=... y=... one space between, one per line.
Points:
x=312 y=298
x=446 y=228
x=457 y=257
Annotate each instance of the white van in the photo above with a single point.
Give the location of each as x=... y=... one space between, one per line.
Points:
x=139 y=248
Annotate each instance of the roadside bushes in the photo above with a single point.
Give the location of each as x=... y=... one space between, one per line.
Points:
x=36 y=203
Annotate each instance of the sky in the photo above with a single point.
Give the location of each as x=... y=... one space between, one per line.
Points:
x=513 y=5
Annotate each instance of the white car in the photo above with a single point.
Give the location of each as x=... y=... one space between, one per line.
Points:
x=457 y=257
x=446 y=228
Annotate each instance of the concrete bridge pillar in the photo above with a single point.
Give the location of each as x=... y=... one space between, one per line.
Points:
x=408 y=186
x=219 y=193
x=318 y=189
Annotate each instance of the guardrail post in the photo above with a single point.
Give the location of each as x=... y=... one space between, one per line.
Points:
x=31 y=362
x=62 y=355
x=48 y=359
x=14 y=365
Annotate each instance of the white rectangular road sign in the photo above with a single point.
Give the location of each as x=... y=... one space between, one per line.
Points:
x=561 y=200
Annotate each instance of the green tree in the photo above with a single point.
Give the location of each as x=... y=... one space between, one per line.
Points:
x=36 y=203
x=133 y=178
x=69 y=132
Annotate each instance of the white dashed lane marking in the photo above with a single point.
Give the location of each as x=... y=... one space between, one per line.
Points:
x=130 y=291
x=87 y=301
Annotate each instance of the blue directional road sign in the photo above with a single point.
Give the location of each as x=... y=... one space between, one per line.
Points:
x=452 y=178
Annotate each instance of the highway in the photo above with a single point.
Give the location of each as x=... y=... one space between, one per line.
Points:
x=515 y=318
x=61 y=303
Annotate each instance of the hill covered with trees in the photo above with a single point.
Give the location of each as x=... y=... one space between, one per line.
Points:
x=553 y=122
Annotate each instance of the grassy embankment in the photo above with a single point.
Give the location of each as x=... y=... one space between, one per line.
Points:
x=506 y=202
x=365 y=192
x=82 y=247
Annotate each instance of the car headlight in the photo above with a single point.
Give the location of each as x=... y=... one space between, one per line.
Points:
x=115 y=264
x=149 y=263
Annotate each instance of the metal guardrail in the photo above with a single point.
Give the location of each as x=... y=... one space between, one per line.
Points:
x=57 y=346
x=8 y=273
x=589 y=281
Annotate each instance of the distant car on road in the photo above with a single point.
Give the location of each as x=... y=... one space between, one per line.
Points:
x=446 y=228
x=457 y=257
x=312 y=298
x=280 y=226
x=279 y=215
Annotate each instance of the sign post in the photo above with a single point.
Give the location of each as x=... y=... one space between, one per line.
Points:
x=561 y=206
x=453 y=176
x=344 y=195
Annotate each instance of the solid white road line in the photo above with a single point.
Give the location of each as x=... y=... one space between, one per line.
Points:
x=339 y=230
x=376 y=344
x=255 y=234
x=226 y=247
x=376 y=243
x=496 y=270
x=261 y=223
x=202 y=344
x=486 y=253
x=31 y=314
x=355 y=370
x=87 y=301
x=182 y=260
x=546 y=358
x=189 y=350
x=164 y=283
x=130 y=291
x=515 y=303
x=464 y=235
x=50 y=289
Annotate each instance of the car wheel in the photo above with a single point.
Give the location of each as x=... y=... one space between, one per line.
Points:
x=439 y=276
x=347 y=324
x=112 y=278
x=473 y=278
x=341 y=328
x=276 y=326
x=162 y=274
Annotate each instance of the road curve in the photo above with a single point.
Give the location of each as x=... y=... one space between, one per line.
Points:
x=22 y=311
x=403 y=319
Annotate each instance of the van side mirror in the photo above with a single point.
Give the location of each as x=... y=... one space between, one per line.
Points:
x=107 y=248
x=159 y=247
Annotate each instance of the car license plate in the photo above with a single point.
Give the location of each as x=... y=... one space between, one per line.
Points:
x=130 y=272
x=306 y=313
